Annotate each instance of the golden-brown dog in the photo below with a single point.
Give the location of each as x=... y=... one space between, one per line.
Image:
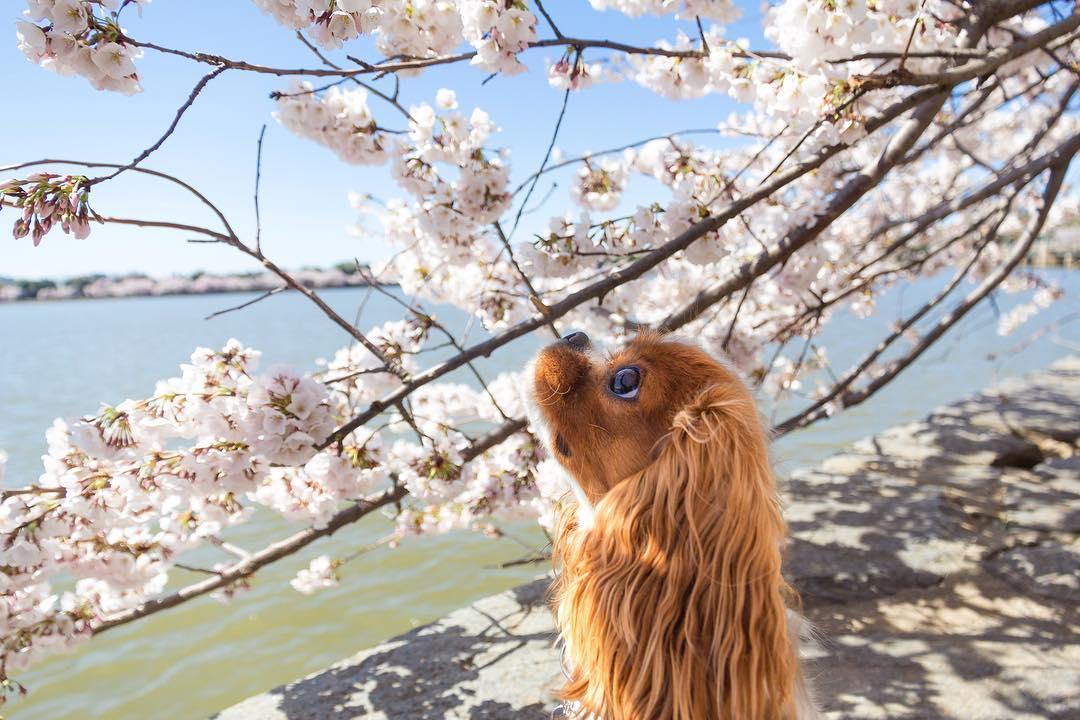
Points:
x=670 y=600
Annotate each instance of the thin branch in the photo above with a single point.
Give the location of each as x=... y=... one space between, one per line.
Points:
x=911 y=36
x=220 y=61
x=610 y=151
x=944 y=53
x=200 y=570
x=258 y=174
x=533 y=294
x=230 y=548
x=392 y=100
x=534 y=559
x=169 y=131
x=213 y=235
x=550 y=22
x=311 y=295
x=249 y=303
x=418 y=63
x=701 y=34
x=735 y=317
x=31 y=490
x=543 y=164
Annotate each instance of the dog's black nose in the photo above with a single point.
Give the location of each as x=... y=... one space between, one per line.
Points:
x=577 y=340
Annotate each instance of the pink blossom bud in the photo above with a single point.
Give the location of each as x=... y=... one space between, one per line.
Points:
x=80 y=227
x=45 y=208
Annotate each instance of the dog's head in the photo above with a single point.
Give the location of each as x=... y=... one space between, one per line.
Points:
x=609 y=417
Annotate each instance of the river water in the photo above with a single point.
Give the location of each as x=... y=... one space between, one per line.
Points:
x=65 y=358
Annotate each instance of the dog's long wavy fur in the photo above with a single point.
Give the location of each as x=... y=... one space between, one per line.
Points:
x=672 y=604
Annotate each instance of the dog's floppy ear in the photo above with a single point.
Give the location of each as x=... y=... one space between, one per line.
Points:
x=672 y=605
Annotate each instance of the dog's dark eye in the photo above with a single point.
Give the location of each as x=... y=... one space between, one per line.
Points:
x=626 y=382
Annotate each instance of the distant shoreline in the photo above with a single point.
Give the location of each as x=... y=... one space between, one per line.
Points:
x=98 y=287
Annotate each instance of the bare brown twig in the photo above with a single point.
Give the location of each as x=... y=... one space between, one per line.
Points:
x=199 y=86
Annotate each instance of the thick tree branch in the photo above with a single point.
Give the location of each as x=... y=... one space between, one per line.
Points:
x=985 y=65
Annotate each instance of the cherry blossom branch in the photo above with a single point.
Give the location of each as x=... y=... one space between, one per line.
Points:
x=866 y=282
x=634 y=270
x=1020 y=250
x=420 y=63
x=632 y=247
x=856 y=188
x=146 y=171
x=249 y=566
x=291 y=545
x=1020 y=174
x=229 y=238
x=812 y=413
x=992 y=60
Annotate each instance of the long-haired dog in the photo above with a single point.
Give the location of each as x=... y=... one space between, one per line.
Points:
x=670 y=601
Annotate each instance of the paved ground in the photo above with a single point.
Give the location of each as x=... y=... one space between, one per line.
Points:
x=940 y=562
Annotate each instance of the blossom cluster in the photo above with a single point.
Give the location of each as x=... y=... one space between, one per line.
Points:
x=416 y=28
x=571 y=72
x=723 y=11
x=599 y=184
x=402 y=28
x=337 y=119
x=498 y=30
x=1041 y=299
x=47 y=201
x=75 y=39
x=457 y=188
x=126 y=492
x=320 y=574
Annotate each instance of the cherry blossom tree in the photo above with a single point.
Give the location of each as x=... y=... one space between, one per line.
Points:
x=881 y=141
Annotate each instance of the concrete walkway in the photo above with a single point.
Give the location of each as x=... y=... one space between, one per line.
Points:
x=939 y=560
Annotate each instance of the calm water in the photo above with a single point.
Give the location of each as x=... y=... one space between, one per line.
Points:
x=64 y=358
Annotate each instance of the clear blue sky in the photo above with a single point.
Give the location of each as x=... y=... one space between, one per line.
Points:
x=306 y=214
